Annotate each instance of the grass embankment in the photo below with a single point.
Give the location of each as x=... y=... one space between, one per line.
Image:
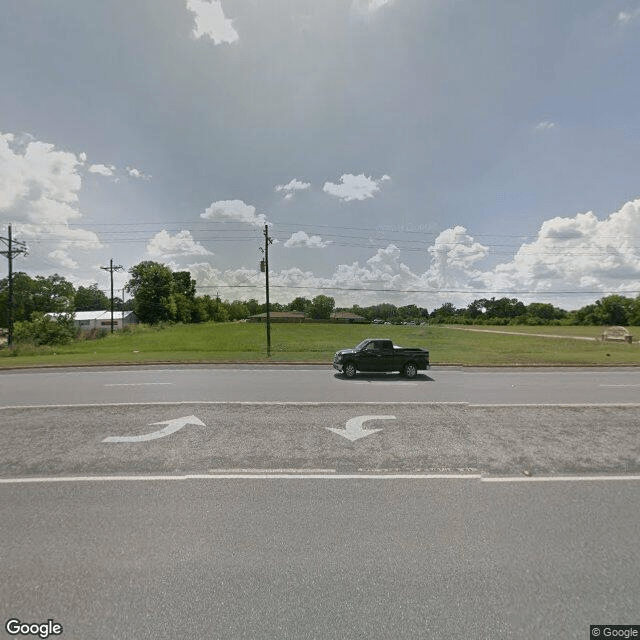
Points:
x=238 y=342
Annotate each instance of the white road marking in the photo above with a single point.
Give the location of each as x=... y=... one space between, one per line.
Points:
x=558 y=478
x=135 y=384
x=304 y=403
x=319 y=476
x=172 y=427
x=354 y=429
x=249 y=476
x=620 y=385
x=250 y=403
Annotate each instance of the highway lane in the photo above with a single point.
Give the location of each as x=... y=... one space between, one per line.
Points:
x=317 y=383
x=321 y=559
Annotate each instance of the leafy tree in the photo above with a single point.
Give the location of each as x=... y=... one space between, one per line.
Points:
x=91 y=299
x=545 y=311
x=634 y=312
x=321 y=307
x=200 y=310
x=53 y=294
x=44 y=294
x=504 y=308
x=446 y=313
x=409 y=312
x=238 y=310
x=252 y=306
x=613 y=310
x=152 y=286
x=23 y=305
x=299 y=304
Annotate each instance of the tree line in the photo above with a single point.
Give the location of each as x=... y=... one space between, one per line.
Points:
x=158 y=294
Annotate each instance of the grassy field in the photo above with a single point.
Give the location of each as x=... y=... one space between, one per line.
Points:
x=238 y=342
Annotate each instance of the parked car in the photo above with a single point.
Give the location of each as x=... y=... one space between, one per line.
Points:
x=374 y=354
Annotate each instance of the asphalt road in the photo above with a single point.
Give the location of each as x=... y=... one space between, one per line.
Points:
x=317 y=383
x=463 y=504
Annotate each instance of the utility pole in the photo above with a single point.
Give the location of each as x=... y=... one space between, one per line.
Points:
x=264 y=266
x=11 y=251
x=111 y=269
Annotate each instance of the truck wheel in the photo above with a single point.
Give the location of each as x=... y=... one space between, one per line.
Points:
x=410 y=370
x=349 y=370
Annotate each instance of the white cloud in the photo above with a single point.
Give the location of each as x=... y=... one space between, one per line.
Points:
x=301 y=239
x=352 y=187
x=454 y=255
x=102 y=169
x=164 y=245
x=624 y=17
x=210 y=21
x=62 y=258
x=234 y=210
x=136 y=173
x=545 y=125
x=293 y=186
x=369 y=6
x=577 y=254
x=39 y=191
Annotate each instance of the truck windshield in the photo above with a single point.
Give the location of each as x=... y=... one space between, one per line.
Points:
x=362 y=345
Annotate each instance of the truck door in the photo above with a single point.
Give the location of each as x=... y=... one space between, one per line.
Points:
x=368 y=358
x=385 y=348
x=377 y=356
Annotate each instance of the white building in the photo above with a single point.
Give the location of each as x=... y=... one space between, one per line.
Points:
x=87 y=320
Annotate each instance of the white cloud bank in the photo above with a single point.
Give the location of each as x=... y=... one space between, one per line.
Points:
x=39 y=191
x=353 y=187
x=210 y=21
x=571 y=262
x=234 y=211
x=302 y=239
x=164 y=245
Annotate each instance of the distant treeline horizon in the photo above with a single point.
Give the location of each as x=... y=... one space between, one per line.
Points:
x=160 y=295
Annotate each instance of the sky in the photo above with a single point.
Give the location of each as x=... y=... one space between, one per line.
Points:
x=404 y=151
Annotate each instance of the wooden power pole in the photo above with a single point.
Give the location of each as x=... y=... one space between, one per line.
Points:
x=111 y=269
x=13 y=249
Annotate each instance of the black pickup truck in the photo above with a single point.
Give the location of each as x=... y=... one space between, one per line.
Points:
x=373 y=354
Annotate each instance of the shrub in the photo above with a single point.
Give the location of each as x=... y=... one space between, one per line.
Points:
x=44 y=330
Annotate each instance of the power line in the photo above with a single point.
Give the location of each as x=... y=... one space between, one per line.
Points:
x=434 y=291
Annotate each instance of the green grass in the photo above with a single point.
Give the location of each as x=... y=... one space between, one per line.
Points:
x=237 y=342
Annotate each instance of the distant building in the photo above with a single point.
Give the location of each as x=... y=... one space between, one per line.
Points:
x=347 y=317
x=87 y=320
x=279 y=316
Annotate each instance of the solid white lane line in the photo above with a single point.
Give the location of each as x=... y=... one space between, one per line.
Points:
x=620 y=385
x=260 y=403
x=247 y=476
x=504 y=479
x=569 y=405
x=328 y=475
